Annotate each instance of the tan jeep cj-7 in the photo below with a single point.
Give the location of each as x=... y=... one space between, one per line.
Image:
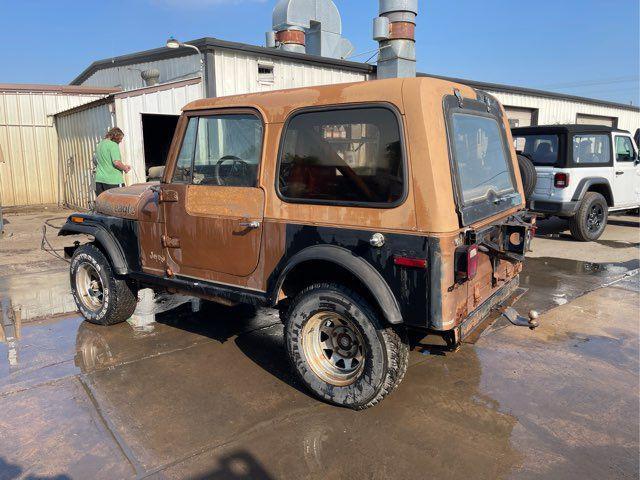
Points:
x=361 y=210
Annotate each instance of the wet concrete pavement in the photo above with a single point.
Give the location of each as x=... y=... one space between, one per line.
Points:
x=210 y=395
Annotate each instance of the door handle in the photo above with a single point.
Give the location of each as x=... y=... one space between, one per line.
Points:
x=619 y=172
x=252 y=224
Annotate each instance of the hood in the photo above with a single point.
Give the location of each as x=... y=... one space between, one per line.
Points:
x=127 y=202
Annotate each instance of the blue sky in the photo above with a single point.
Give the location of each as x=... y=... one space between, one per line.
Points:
x=582 y=47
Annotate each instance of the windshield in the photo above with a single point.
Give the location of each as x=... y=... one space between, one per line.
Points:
x=541 y=149
x=481 y=158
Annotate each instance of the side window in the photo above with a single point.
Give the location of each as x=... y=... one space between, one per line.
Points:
x=591 y=149
x=624 y=150
x=182 y=172
x=342 y=156
x=228 y=150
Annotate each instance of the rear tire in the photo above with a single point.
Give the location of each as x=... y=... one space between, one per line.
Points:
x=528 y=175
x=591 y=218
x=101 y=298
x=340 y=349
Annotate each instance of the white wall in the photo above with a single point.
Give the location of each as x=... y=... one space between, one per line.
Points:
x=237 y=72
x=129 y=109
x=28 y=139
x=556 y=111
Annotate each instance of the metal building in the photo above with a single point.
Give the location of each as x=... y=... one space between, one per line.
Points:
x=29 y=166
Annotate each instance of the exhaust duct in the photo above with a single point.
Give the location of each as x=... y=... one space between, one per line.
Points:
x=308 y=26
x=394 y=29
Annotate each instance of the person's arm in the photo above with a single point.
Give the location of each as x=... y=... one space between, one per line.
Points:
x=116 y=160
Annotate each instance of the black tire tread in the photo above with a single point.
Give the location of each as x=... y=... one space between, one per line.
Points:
x=528 y=175
x=396 y=344
x=578 y=223
x=123 y=299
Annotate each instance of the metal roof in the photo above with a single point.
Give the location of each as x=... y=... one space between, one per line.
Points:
x=67 y=89
x=209 y=43
x=498 y=87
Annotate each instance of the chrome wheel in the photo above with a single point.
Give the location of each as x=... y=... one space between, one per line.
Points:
x=595 y=218
x=334 y=348
x=89 y=286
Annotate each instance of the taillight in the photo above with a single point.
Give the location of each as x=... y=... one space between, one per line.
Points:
x=410 y=262
x=561 y=180
x=466 y=262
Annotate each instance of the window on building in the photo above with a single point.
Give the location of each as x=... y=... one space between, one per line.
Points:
x=521 y=117
x=224 y=149
x=624 y=150
x=265 y=73
x=584 y=119
x=343 y=156
x=591 y=149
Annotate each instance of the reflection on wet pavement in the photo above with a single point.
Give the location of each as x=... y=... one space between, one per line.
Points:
x=211 y=395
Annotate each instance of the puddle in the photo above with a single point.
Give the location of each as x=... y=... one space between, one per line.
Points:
x=554 y=281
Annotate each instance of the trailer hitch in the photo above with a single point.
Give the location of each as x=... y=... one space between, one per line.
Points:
x=518 y=320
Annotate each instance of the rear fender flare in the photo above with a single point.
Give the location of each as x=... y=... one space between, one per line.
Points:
x=104 y=238
x=586 y=183
x=357 y=266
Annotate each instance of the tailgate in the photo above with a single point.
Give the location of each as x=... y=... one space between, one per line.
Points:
x=544 y=183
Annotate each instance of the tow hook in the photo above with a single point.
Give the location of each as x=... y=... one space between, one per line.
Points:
x=518 y=320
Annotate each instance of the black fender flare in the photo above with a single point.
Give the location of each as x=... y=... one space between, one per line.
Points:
x=357 y=266
x=587 y=182
x=104 y=238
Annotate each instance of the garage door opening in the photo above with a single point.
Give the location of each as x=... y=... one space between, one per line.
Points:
x=157 y=133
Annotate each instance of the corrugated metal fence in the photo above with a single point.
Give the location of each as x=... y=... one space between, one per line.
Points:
x=79 y=131
x=29 y=174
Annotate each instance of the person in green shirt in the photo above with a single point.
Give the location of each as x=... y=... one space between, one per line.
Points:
x=109 y=169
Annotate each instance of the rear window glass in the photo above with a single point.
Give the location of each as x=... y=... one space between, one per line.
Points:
x=346 y=155
x=591 y=149
x=480 y=157
x=541 y=149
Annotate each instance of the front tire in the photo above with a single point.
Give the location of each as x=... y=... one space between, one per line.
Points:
x=340 y=349
x=591 y=218
x=101 y=298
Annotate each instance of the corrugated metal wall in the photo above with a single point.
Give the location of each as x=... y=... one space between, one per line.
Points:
x=237 y=72
x=29 y=174
x=78 y=134
x=130 y=106
x=128 y=77
x=555 y=111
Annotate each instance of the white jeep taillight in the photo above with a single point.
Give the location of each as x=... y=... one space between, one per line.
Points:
x=561 y=180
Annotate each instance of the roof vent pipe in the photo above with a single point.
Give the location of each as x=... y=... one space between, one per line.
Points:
x=394 y=29
x=308 y=26
x=151 y=77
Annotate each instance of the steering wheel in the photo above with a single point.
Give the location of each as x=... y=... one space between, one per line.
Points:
x=239 y=168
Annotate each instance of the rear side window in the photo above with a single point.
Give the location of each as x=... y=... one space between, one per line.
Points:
x=591 y=149
x=541 y=149
x=481 y=157
x=351 y=156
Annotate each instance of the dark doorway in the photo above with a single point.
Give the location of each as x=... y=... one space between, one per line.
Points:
x=157 y=133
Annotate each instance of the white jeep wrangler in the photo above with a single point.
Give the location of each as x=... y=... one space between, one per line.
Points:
x=583 y=173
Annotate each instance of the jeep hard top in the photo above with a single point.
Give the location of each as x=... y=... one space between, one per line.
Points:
x=360 y=210
x=583 y=172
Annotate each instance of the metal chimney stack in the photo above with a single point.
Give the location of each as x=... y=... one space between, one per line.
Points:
x=394 y=29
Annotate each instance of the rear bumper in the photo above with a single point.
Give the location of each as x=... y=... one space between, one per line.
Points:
x=561 y=209
x=475 y=318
